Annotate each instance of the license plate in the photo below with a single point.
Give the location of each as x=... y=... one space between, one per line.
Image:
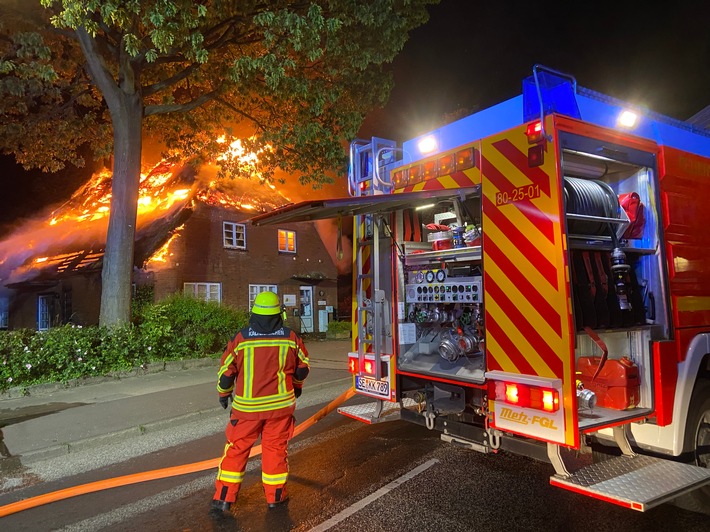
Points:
x=372 y=386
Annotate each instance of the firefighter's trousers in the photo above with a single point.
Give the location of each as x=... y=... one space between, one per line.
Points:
x=241 y=435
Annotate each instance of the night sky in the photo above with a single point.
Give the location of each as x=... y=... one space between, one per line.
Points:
x=473 y=54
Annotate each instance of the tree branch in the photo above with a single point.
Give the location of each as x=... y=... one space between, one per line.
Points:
x=180 y=107
x=97 y=68
x=168 y=82
x=228 y=105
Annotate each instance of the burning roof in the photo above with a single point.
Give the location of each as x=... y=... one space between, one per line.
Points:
x=72 y=237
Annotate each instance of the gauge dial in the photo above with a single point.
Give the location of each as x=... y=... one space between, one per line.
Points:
x=440 y=276
x=420 y=277
x=430 y=276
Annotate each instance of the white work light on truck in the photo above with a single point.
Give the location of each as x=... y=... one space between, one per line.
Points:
x=627 y=119
x=428 y=144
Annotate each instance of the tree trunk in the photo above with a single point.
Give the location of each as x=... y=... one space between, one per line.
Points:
x=118 y=256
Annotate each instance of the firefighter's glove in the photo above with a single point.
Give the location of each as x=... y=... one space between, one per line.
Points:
x=297 y=392
x=224 y=401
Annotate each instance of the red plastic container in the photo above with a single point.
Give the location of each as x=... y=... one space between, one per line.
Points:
x=616 y=386
x=441 y=240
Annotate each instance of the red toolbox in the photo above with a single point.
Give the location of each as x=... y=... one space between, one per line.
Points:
x=616 y=386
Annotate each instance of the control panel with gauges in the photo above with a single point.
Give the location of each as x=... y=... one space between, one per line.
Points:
x=436 y=286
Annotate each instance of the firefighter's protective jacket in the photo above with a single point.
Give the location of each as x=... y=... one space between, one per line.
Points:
x=262 y=370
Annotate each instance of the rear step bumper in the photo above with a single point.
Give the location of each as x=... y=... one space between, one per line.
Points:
x=366 y=412
x=637 y=482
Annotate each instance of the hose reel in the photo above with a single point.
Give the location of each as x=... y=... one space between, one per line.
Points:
x=590 y=198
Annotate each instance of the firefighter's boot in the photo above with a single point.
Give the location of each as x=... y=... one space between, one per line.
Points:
x=219 y=509
x=281 y=497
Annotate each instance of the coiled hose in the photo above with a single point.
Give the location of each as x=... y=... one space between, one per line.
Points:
x=590 y=198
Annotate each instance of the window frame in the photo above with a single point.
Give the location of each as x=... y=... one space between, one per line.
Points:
x=4 y=312
x=256 y=289
x=195 y=291
x=234 y=226
x=286 y=233
x=44 y=311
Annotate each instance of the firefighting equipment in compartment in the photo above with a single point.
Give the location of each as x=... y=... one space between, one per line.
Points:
x=596 y=287
x=266 y=304
x=441 y=240
x=620 y=271
x=635 y=210
x=458 y=240
x=589 y=198
x=455 y=343
x=262 y=366
x=615 y=382
x=586 y=399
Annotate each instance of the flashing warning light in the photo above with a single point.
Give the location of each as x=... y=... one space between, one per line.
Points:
x=352 y=365
x=428 y=144
x=627 y=119
x=465 y=159
x=550 y=400
x=369 y=367
x=525 y=396
x=536 y=155
x=511 y=393
x=534 y=132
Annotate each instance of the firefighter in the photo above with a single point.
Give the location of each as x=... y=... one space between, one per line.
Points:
x=263 y=367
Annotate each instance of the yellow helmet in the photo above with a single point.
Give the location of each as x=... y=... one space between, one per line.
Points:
x=266 y=304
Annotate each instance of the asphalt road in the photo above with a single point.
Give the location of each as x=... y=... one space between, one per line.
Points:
x=347 y=476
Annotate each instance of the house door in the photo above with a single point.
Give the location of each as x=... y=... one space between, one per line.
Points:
x=44 y=312
x=306 y=309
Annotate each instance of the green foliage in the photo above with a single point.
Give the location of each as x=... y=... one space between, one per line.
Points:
x=335 y=327
x=181 y=327
x=297 y=77
x=175 y=329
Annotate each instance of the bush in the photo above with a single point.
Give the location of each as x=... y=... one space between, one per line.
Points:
x=184 y=327
x=338 y=330
x=174 y=329
x=336 y=327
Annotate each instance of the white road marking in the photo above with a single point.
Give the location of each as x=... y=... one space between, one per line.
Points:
x=326 y=525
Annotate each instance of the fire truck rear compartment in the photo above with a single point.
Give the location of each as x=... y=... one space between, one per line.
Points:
x=442 y=330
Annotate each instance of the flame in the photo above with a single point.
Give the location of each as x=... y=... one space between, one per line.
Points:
x=73 y=234
x=163 y=253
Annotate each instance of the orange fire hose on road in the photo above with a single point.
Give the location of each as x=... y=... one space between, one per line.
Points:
x=156 y=474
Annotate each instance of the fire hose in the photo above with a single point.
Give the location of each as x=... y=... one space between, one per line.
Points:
x=156 y=474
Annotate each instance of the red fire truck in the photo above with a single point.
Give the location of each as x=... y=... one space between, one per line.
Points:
x=535 y=278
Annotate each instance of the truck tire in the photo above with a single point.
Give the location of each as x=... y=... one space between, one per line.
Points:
x=697 y=442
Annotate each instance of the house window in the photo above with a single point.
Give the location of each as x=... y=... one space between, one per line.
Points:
x=203 y=291
x=4 y=312
x=255 y=289
x=234 y=235
x=287 y=241
x=44 y=312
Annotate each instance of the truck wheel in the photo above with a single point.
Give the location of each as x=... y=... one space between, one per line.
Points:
x=697 y=441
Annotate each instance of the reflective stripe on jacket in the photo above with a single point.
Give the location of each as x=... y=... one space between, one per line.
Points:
x=261 y=371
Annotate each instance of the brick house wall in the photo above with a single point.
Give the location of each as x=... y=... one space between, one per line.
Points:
x=198 y=255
